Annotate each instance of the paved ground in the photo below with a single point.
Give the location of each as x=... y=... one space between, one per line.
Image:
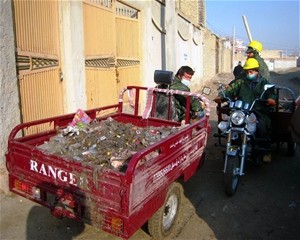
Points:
x=266 y=206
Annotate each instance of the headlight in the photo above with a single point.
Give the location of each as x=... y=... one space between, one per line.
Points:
x=223 y=126
x=251 y=127
x=237 y=117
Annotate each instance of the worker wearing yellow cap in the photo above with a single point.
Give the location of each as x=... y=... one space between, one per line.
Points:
x=253 y=51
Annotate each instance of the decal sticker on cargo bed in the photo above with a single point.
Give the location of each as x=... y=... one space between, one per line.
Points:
x=54 y=172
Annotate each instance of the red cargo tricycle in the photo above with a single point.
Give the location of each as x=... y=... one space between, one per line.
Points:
x=146 y=190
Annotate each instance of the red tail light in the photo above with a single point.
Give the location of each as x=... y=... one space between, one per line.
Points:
x=27 y=189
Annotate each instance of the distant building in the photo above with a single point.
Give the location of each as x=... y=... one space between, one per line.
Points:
x=276 y=60
x=239 y=48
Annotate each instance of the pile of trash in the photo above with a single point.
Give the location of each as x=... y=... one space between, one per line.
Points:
x=107 y=143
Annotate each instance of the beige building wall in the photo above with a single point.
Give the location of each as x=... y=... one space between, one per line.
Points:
x=216 y=58
x=209 y=55
x=190 y=9
x=271 y=54
x=228 y=65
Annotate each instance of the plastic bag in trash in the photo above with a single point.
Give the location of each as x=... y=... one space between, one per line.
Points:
x=80 y=119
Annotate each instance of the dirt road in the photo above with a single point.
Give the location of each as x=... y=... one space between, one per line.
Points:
x=266 y=205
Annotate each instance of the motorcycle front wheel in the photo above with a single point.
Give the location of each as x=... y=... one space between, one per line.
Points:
x=232 y=175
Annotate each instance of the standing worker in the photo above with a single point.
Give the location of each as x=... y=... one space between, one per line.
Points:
x=253 y=51
x=238 y=69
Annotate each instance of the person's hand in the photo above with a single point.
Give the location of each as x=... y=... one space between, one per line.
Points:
x=198 y=115
x=202 y=105
x=193 y=120
x=271 y=102
x=217 y=99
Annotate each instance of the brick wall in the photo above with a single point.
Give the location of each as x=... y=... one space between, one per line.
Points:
x=189 y=9
x=216 y=58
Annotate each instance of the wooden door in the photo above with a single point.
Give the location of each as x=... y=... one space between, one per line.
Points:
x=38 y=59
x=112 y=50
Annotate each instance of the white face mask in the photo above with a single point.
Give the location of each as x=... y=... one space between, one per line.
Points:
x=186 y=82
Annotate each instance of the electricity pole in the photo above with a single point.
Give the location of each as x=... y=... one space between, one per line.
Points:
x=233 y=47
x=247 y=28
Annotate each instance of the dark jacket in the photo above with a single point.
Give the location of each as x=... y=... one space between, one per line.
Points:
x=237 y=70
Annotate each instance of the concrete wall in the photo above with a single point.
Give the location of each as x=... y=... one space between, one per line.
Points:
x=281 y=63
x=9 y=102
x=189 y=50
x=169 y=40
x=285 y=63
x=183 y=43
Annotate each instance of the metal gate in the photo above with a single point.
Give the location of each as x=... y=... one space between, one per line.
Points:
x=112 y=47
x=112 y=59
x=38 y=59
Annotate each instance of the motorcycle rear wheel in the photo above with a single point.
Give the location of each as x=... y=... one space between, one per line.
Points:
x=232 y=176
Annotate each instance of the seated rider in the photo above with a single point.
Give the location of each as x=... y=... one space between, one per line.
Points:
x=182 y=81
x=247 y=89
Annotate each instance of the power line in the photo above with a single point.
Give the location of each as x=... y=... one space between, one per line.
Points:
x=279 y=46
x=216 y=30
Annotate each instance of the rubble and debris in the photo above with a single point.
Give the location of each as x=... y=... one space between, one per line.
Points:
x=107 y=143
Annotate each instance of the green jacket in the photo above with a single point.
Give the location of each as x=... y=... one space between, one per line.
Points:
x=247 y=91
x=180 y=101
x=263 y=69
